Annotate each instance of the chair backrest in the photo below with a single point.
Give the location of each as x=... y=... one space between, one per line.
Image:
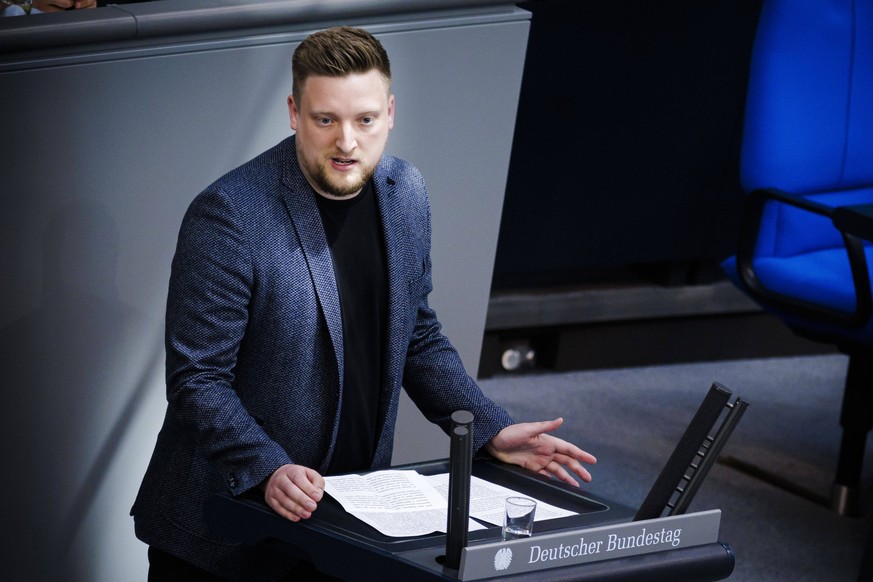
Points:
x=809 y=109
x=809 y=116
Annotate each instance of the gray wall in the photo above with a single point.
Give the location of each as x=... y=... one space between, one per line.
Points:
x=103 y=148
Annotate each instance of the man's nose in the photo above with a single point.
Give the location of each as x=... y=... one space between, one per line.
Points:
x=346 y=139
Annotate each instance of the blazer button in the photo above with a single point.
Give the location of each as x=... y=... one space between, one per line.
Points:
x=231 y=480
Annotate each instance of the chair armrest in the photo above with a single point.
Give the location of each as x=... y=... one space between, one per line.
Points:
x=851 y=221
x=751 y=224
x=856 y=220
x=762 y=195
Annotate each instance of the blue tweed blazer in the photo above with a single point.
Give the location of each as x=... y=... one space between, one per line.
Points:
x=255 y=350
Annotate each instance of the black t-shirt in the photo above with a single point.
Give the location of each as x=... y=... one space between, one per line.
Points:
x=354 y=234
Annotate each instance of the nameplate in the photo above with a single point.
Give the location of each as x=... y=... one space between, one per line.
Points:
x=585 y=545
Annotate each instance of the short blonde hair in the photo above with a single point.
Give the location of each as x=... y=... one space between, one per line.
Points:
x=338 y=52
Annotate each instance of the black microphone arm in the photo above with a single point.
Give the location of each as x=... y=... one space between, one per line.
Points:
x=461 y=468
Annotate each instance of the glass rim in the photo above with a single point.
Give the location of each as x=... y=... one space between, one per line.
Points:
x=519 y=500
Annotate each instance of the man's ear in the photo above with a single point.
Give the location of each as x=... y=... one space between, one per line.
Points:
x=391 y=111
x=293 y=113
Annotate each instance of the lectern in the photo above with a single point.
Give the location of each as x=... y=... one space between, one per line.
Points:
x=600 y=541
x=367 y=555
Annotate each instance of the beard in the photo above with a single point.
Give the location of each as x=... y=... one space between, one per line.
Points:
x=345 y=187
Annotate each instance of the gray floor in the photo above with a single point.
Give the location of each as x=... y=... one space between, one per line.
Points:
x=632 y=418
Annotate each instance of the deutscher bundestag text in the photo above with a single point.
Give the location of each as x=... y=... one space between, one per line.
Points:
x=613 y=542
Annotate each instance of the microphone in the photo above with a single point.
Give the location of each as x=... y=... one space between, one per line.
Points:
x=461 y=468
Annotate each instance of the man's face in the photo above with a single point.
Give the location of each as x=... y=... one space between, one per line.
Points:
x=342 y=126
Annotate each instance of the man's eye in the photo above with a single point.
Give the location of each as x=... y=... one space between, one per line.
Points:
x=324 y=121
x=367 y=120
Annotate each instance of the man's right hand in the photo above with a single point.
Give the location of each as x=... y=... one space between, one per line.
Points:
x=293 y=491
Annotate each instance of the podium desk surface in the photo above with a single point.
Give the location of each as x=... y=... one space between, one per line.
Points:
x=366 y=554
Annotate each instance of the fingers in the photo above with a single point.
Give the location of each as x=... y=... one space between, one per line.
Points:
x=293 y=491
x=542 y=426
x=569 y=451
x=561 y=470
x=583 y=474
x=574 y=465
x=528 y=445
x=566 y=458
x=558 y=470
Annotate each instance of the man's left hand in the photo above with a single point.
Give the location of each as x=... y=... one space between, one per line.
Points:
x=527 y=445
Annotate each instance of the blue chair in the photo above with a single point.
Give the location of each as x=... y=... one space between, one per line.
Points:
x=806 y=161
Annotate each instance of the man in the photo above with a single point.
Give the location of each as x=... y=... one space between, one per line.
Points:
x=297 y=309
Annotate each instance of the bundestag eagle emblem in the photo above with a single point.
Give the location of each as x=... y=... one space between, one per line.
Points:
x=502 y=559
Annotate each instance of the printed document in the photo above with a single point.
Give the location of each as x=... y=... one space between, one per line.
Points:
x=402 y=503
x=487 y=499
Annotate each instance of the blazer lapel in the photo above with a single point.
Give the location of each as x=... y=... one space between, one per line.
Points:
x=303 y=209
x=397 y=237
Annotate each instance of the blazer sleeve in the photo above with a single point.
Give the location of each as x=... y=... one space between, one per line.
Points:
x=207 y=314
x=434 y=375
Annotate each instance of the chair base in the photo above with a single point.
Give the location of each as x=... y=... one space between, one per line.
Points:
x=844 y=500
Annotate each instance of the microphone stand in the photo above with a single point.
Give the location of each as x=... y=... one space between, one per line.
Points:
x=461 y=468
